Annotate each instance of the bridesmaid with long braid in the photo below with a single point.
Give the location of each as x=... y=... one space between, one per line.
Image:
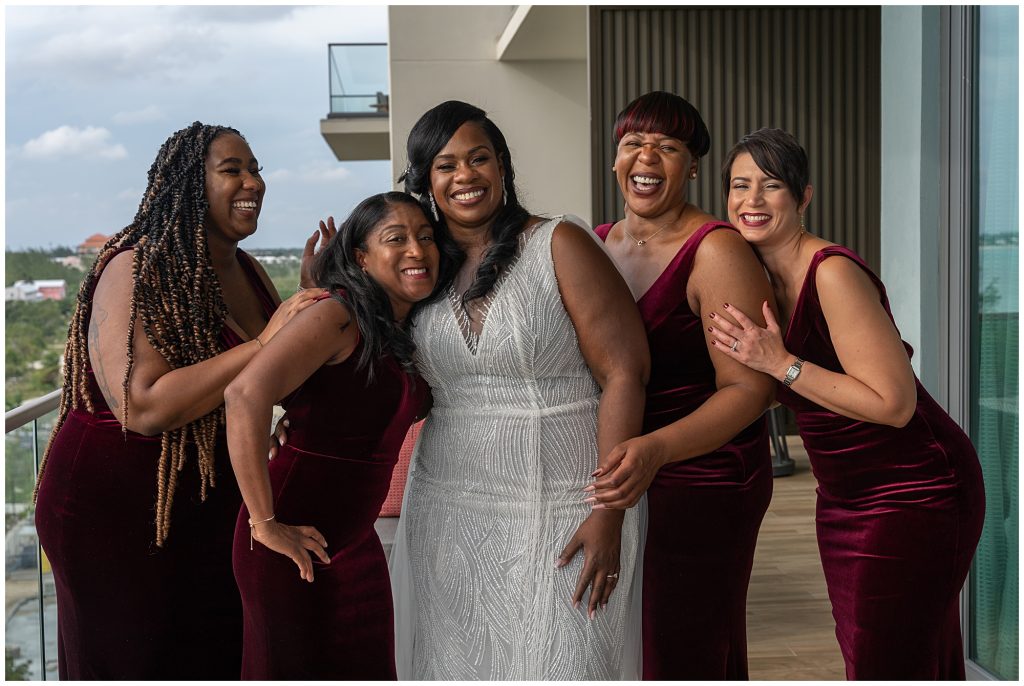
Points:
x=136 y=500
x=900 y=493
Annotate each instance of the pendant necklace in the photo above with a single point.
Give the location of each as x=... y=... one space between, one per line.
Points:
x=641 y=242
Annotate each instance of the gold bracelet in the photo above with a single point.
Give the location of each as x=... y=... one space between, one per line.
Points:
x=252 y=526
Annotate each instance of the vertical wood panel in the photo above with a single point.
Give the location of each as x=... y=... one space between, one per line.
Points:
x=813 y=71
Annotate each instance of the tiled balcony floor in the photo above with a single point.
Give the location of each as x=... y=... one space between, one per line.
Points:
x=790 y=631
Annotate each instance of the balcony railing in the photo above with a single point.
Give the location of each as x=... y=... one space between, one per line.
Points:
x=358 y=75
x=31 y=607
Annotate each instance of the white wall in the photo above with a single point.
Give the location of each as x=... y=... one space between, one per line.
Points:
x=441 y=53
x=909 y=179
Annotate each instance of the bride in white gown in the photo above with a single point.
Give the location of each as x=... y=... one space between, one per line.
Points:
x=537 y=360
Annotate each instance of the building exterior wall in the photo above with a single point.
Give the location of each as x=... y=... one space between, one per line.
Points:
x=903 y=191
x=541 y=106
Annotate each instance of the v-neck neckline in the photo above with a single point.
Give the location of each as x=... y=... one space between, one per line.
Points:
x=812 y=270
x=463 y=323
x=673 y=264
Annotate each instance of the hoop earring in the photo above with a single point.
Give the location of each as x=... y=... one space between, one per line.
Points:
x=433 y=207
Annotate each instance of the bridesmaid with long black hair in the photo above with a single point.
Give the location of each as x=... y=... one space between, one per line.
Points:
x=900 y=493
x=703 y=459
x=346 y=366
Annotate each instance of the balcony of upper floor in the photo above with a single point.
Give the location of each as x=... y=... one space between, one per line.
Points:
x=357 y=125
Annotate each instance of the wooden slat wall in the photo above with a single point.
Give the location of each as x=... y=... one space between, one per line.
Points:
x=813 y=71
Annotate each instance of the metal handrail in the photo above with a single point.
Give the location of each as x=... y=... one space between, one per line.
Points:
x=15 y=419
x=33 y=409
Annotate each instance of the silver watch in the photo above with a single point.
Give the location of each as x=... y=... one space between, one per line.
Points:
x=793 y=372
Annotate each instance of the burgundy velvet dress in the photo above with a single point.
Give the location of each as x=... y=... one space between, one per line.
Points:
x=127 y=610
x=333 y=474
x=899 y=515
x=703 y=513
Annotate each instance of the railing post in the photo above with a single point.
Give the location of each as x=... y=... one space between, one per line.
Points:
x=39 y=560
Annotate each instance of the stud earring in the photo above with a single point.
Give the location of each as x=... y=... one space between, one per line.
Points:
x=433 y=207
x=693 y=174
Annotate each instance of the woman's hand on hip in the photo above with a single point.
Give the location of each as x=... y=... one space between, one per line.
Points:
x=628 y=471
x=296 y=542
x=600 y=537
x=760 y=348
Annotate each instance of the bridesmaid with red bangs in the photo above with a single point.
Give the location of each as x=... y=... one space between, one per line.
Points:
x=703 y=460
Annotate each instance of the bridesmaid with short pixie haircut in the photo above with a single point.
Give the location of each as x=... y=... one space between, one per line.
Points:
x=900 y=494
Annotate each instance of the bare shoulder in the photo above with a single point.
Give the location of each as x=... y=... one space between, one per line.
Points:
x=572 y=244
x=115 y=278
x=723 y=252
x=837 y=274
x=331 y=311
x=724 y=241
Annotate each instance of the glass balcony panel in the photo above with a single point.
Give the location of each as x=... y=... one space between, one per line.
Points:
x=23 y=650
x=358 y=78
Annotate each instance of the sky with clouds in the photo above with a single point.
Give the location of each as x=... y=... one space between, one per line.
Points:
x=92 y=93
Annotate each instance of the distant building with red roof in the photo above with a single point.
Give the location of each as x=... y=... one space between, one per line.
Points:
x=92 y=244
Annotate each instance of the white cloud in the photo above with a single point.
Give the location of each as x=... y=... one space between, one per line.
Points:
x=143 y=116
x=321 y=171
x=92 y=141
x=311 y=172
x=93 y=45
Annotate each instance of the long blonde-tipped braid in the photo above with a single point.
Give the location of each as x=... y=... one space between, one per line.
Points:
x=177 y=297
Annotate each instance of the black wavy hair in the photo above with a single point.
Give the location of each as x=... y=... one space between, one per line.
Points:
x=337 y=270
x=430 y=134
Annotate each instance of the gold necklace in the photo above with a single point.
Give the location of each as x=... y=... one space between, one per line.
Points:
x=642 y=242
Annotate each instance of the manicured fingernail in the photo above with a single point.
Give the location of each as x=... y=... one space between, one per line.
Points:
x=575 y=604
x=593 y=614
x=604 y=606
x=597 y=472
x=559 y=563
x=270 y=455
x=590 y=489
x=728 y=305
x=712 y=315
x=710 y=330
x=287 y=422
x=591 y=500
x=597 y=506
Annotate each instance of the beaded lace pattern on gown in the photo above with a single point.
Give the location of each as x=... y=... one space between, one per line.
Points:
x=494 y=495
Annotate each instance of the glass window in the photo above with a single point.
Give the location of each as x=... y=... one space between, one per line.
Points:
x=995 y=411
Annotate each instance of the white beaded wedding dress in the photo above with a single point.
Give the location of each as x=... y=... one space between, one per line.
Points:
x=494 y=495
